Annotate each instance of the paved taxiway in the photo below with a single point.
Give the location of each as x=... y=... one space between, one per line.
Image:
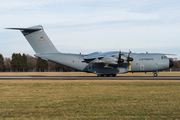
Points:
x=90 y=78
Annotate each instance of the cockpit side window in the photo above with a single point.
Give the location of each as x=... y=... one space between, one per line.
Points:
x=163 y=57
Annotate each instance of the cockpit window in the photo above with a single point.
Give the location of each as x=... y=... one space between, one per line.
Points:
x=163 y=57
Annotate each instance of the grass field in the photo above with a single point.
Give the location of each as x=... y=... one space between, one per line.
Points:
x=86 y=99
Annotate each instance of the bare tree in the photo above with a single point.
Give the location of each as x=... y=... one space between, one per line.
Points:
x=7 y=63
x=51 y=66
x=1 y=63
x=31 y=61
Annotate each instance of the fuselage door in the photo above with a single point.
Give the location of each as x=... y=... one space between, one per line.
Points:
x=141 y=67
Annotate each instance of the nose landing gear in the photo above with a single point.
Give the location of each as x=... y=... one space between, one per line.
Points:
x=155 y=74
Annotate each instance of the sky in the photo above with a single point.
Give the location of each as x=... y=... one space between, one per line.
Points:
x=86 y=26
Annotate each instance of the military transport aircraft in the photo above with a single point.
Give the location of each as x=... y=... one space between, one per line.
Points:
x=102 y=64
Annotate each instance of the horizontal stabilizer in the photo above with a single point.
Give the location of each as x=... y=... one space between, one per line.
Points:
x=26 y=29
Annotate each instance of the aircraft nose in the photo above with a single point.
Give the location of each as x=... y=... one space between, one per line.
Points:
x=170 y=63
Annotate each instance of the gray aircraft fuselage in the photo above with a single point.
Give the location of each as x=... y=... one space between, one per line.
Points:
x=107 y=63
x=141 y=63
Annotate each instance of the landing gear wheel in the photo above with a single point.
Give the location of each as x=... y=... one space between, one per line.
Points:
x=100 y=75
x=113 y=75
x=107 y=75
x=155 y=74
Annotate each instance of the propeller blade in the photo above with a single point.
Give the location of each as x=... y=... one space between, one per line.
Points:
x=119 y=59
x=129 y=53
x=129 y=58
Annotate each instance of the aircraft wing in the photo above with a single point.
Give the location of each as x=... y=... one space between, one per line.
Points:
x=107 y=58
x=94 y=53
x=100 y=55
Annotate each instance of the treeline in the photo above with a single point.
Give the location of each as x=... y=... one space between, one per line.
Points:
x=176 y=66
x=28 y=63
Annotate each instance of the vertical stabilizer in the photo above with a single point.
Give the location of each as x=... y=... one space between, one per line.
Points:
x=38 y=39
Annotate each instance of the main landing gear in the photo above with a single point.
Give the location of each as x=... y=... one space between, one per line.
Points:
x=109 y=75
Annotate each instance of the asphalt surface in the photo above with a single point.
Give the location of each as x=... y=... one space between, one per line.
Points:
x=90 y=78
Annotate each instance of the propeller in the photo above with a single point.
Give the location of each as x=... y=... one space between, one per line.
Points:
x=129 y=58
x=119 y=59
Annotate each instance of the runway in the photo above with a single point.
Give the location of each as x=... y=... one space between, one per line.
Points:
x=89 y=78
